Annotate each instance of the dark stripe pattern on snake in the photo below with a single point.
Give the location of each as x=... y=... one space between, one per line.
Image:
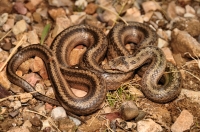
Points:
x=89 y=75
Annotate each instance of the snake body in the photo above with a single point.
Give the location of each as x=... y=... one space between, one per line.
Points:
x=89 y=75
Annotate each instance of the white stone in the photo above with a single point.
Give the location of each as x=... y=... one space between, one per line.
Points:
x=76 y=121
x=81 y=3
x=19 y=27
x=162 y=43
x=148 y=125
x=194 y=96
x=25 y=97
x=33 y=37
x=77 y=17
x=3 y=18
x=59 y=3
x=15 y=104
x=189 y=9
x=183 y=122
x=58 y=112
x=180 y=10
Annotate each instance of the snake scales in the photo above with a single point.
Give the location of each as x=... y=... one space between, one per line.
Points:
x=89 y=75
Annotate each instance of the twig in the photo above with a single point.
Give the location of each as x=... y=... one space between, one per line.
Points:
x=12 y=53
x=15 y=96
x=48 y=118
x=5 y=35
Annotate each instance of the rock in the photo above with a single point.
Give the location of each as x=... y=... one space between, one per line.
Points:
x=129 y=110
x=25 y=66
x=76 y=121
x=35 y=121
x=81 y=4
x=133 y=14
x=91 y=8
x=180 y=11
x=171 y=10
x=140 y=116
x=19 y=129
x=9 y=24
x=65 y=124
x=136 y=92
x=3 y=56
x=15 y=105
x=182 y=42
x=50 y=92
x=14 y=113
x=55 y=13
x=3 y=18
x=62 y=22
x=60 y=3
x=37 y=17
x=6 y=6
x=25 y=97
x=148 y=16
x=20 y=8
x=107 y=109
x=36 y=2
x=33 y=37
x=77 y=17
x=58 y=112
x=183 y=122
x=27 y=124
x=40 y=88
x=75 y=55
x=4 y=80
x=16 y=89
x=40 y=108
x=189 y=9
x=148 y=125
x=48 y=107
x=45 y=124
x=32 y=78
x=150 y=6
x=19 y=27
x=194 y=96
x=37 y=64
x=162 y=43
x=29 y=5
x=169 y=55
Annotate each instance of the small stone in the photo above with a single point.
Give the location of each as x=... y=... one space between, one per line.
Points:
x=75 y=55
x=168 y=54
x=9 y=24
x=194 y=96
x=19 y=27
x=140 y=116
x=45 y=124
x=65 y=124
x=107 y=109
x=48 y=107
x=27 y=124
x=59 y=3
x=189 y=9
x=40 y=88
x=148 y=125
x=62 y=22
x=162 y=43
x=33 y=37
x=3 y=56
x=25 y=66
x=19 y=129
x=76 y=121
x=136 y=92
x=40 y=108
x=180 y=10
x=183 y=122
x=30 y=6
x=59 y=12
x=189 y=15
x=37 y=64
x=150 y=6
x=58 y=112
x=25 y=97
x=148 y=16
x=15 y=105
x=35 y=121
x=4 y=80
x=32 y=78
x=6 y=6
x=14 y=113
x=36 y=2
x=16 y=89
x=20 y=8
x=91 y=8
x=129 y=110
x=183 y=42
x=3 y=18
x=77 y=17
x=50 y=92
x=37 y=17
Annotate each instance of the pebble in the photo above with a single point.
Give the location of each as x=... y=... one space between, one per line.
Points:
x=19 y=129
x=76 y=121
x=58 y=112
x=171 y=10
x=65 y=124
x=150 y=6
x=75 y=55
x=148 y=125
x=19 y=27
x=9 y=24
x=77 y=17
x=59 y=3
x=6 y=6
x=180 y=11
x=20 y=8
x=189 y=9
x=50 y=92
x=91 y=8
x=81 y=4
x=35 y=121
x=168 y=54
x=183 y=42
x=40 y=108
x=183 y=122
x=27 y=124
x=32 y=78
x=129 y=110
x=14 y=113
x=36 y=2
x=15 y=104
x=40 y=88
x=3 y=56
x=37 y=17
x=33 y=37
x=5 y=83
x=194 y=96
x=45 y=124
x=30 y=6
x=3 y=18
x=25 y=97
x=16 y=89
x=58 y=12
x=162 y=43
x=140 y=116
x=136 y=92
x=25 y=66
x=37 y=64
x=62 y=22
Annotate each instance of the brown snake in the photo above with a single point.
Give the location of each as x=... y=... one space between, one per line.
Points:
x=89 y=75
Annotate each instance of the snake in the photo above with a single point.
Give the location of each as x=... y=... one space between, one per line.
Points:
x=90 y=75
